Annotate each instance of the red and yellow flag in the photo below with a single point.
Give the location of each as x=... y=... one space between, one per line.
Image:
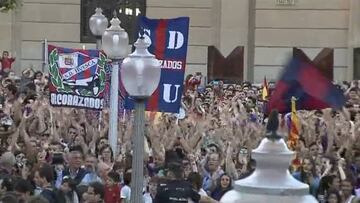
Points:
x=265 y=90
x=294 y=126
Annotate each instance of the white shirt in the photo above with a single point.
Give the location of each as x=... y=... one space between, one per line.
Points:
x=147 y=198
x=357 y=192
x=89 y=178
x=125 y=193
x=350 y=199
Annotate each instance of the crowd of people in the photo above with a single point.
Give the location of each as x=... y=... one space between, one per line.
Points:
x=62 y=155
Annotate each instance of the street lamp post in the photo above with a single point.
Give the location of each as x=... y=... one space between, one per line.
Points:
x=140 y=75
x=115 y=43
x=98 y=24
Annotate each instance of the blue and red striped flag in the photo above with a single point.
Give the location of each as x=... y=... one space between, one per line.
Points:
x=169 y=42
x=306 y=83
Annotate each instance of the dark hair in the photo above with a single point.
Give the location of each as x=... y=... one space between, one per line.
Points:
x=9 y=198
x=31 y=86
x=97 y=150
x=80 y=190
x=23 y=186
x=70 y=182
x=313 y=170
x=325 y=183
x=333 y=192
x=171 y=156
x=76 y=148
x=218 y=192
x=98 y=189
x=37 y=199
x=114 y=176
x=12 y=88
x=8 y=183
x=117 y=166
x=28 y=98
x=105 y=147
x=356 y=154
x=38 y=72
x=176 y=168
x=127 y=178
x=57 y=158
x=195 y=179
x=46 y=171
x=219 y=180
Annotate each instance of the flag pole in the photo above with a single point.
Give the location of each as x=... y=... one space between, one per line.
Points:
x=44 y=55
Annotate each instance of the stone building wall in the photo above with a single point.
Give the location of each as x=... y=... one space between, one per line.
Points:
x=309 y=24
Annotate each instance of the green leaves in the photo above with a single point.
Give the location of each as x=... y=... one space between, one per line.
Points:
x=56 y=79
x=8 y=5
x=101 y=72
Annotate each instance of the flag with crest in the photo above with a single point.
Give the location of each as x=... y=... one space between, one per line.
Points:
x=77 y=77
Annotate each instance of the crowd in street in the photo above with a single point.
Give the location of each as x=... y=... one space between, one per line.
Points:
x=62 y=155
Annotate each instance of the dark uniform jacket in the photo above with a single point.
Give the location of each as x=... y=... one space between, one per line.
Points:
x=176 y=191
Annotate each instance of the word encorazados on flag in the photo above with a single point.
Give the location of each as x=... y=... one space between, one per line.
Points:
x=168 y=40
x=77 y=77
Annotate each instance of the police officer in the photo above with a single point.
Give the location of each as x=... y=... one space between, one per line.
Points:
x=177 y=190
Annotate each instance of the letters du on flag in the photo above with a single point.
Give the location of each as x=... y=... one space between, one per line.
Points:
x=176 y=41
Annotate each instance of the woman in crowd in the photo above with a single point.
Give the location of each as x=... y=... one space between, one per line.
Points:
x=307 y=174
x=106 y=155
x=224 y=185
x=333 y=197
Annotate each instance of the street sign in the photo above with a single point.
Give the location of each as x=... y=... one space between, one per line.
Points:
x=285 y=2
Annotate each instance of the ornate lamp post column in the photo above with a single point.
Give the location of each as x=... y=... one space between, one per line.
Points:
x=115 y=43
x=98 y=24
x=140 y=75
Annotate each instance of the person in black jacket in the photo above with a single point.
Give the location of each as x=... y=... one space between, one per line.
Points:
x=177 y=190
x=23 y=189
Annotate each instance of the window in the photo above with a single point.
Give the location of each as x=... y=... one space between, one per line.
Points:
x=127 y=12
x=356 y=64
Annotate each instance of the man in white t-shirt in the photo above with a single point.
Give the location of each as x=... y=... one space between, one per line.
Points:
x=125 y=192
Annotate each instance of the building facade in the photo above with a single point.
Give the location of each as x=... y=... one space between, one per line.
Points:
x=267 y=29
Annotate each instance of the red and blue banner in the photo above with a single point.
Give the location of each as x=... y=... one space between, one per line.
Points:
x=308 y=85
x=77 y=77
x=169 y=42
